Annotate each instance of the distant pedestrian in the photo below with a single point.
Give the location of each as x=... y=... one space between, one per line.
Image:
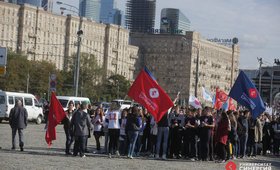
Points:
x=80 y=125
x=18 y=122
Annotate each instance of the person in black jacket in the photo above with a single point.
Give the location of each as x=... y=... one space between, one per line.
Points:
x=66 y=125
x=132 y=128
x=18 y=122
x=80 y=126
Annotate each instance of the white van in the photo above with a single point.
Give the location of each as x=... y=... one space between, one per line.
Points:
x=7 y=102
x=125 y=104
x=64 y=100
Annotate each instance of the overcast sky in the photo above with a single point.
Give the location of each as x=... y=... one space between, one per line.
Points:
x=256 y=23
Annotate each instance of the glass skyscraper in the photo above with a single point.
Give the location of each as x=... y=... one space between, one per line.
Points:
x=140 y=15
x=107 y=7
x=31 y=2
x=90 y=9
x=173 y=20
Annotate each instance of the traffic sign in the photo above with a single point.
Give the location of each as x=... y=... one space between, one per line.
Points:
x=3 y=56
x=53 y=82
x=2 y=70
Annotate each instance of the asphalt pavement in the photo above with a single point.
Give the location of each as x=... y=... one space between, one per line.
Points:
x=37 y=155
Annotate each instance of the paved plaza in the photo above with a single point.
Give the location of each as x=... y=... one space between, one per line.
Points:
x=37 y=155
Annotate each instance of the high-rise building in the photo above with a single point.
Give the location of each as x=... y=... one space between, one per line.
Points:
x=140 y=15
x=90 y=9
x=173 y=20
x=31 y=2
x=47 y=5
x=109 y=14
x=107 y=7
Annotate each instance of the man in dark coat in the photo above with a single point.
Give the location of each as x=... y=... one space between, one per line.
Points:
x=80 y=126
x=18 y=122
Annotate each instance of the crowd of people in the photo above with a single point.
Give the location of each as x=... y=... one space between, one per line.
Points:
x=182 y=133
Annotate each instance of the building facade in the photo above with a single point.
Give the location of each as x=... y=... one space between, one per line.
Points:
x=173 y=20
x=90 y=9
x=42 y=35
x=173 y=61
x=140 y=15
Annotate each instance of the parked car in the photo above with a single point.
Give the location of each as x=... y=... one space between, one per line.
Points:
x=8 y=100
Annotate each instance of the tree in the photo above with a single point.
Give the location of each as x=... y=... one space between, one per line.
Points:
x=90 y=76
x=16 y=73
x=116 y=86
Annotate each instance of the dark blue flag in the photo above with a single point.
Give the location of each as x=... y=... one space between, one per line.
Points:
x=246 y=94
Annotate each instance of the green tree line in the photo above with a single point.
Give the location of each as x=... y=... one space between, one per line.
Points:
x=23 y=75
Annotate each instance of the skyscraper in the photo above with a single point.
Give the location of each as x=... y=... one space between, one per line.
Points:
x=90 y=9
x=140 y=15
x=173 y=20
x=47 y=5
x=107 y=7
x=31 y=2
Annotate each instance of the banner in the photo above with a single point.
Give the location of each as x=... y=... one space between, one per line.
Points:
x=56 y=115
x=246 y=94
x=146 y=91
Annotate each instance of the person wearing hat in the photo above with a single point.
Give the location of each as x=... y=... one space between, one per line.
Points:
x=80 y=126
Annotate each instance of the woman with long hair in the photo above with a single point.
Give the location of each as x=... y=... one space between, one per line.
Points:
x=98 y=121
x=222 y=137
x=132 y=129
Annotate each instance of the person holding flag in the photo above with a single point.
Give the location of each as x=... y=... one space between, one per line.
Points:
x=146 y=91
x=55 y=116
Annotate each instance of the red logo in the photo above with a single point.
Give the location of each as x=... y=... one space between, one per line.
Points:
x=253 y=93
x=230 y=166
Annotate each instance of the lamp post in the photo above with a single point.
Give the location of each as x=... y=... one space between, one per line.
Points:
x=234 y=42
x=79 y=33
x=196 y=68
x=260 y=75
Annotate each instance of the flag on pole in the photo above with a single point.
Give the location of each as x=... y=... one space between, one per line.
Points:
x=206 y=95
x=146 y=91
x=194 y=102
x=246 y=94
x=229 y=105
x=221 y=97
x=56 y=115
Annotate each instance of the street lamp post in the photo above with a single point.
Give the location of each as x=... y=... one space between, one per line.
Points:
x=197 y=68
x=79 y=33
x=234 y=42
x=260 y=75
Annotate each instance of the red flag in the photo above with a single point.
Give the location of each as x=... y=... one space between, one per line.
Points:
x=221 y=97
x=231 y=105
x=56 y=115
x=146 y=91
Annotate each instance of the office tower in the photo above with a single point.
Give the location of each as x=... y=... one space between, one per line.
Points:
x=90 y=9
x=31 y=2
x=106 y=9
x=47 y=5
x=140 y=15
x=173 y=20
